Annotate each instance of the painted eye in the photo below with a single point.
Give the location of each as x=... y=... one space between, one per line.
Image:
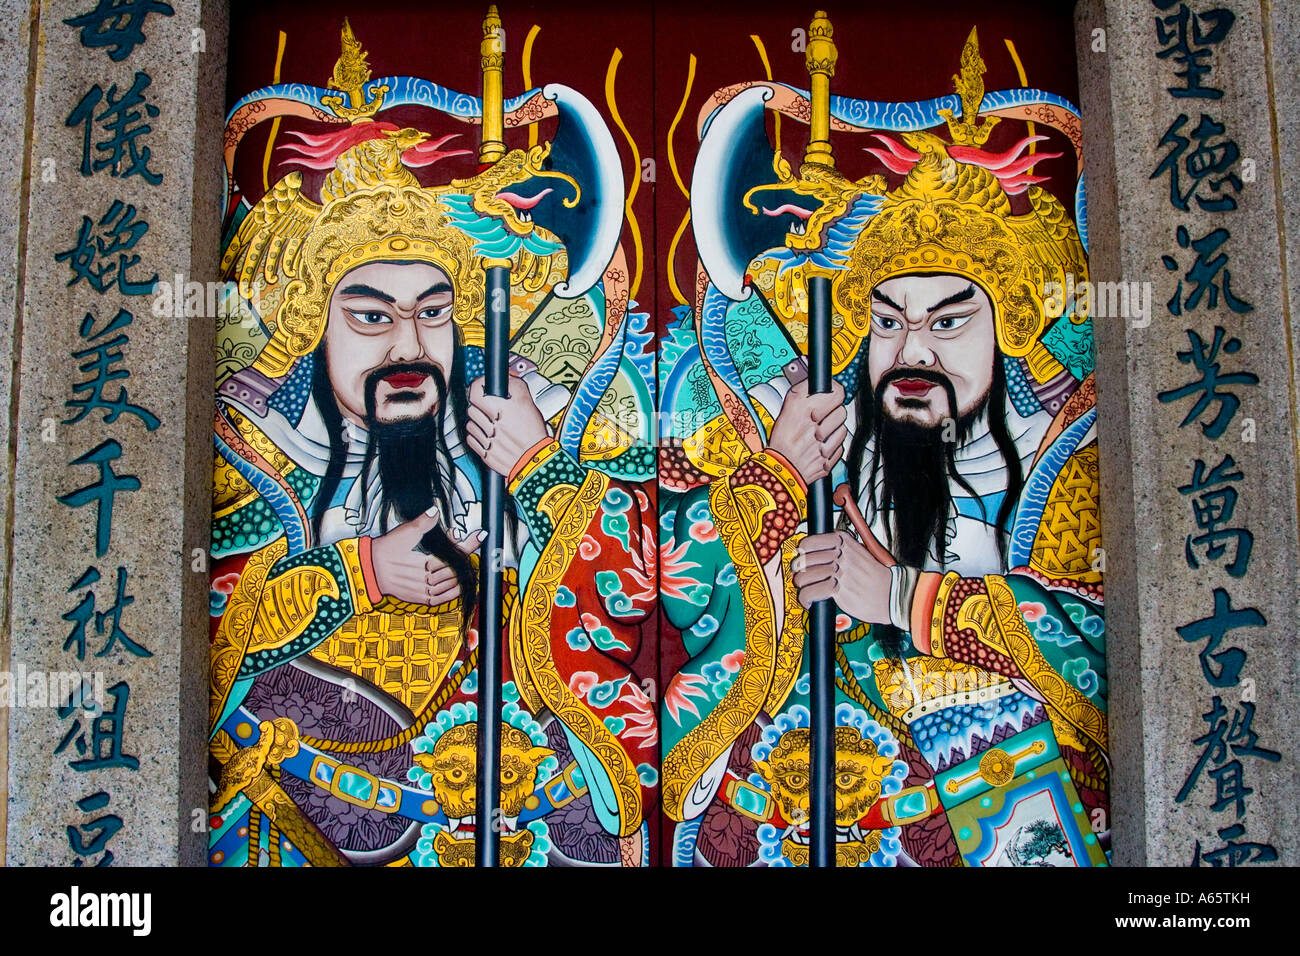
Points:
x=887 y=324
x=950 y=322
x=796 y=781
x=435 y=313
x=371 y=318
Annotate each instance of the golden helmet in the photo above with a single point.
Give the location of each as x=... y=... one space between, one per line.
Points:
x=954 y=217
x=290 y=252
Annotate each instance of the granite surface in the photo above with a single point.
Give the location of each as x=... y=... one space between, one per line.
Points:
x=154 y=775
x=15 y=49
x=1160 y=695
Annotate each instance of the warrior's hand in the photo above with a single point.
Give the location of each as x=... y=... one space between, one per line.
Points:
x=501 y=430
x=838 y=566
x=809 y=432
x=405 y=573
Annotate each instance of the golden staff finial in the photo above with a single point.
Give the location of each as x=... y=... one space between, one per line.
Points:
x=492 y=58
x=820 y=57
x=968 y=83
x=350 y=76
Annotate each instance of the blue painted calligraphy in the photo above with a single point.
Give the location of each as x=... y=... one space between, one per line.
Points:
x=84 y=613
x=104 y=749
x=1213 y=630
x=117 y=24
x=1204 y=274
x=120 y=232
x=91 y=838
x=102 y=492
x=1209 y=387
x=1186 y=38
x=1213 y=507
x=1229 y=735
x=122 y=154
x=1208 y=163
x=98 y=361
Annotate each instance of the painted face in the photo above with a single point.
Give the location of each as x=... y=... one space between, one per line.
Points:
x=389 y=314
x=936 y=326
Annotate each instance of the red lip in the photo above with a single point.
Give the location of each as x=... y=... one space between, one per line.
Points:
x=913 y=386
x=406 y=379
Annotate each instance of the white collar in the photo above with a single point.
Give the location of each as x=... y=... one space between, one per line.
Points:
x=979 y=460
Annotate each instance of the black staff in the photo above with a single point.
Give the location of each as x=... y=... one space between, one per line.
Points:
x=496 y=382
x=821 y=616
x=819 y=57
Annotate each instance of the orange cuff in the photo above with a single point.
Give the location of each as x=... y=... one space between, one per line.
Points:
x=784 y=463
x=368 y=569
x=530 y=459
x=923 y=598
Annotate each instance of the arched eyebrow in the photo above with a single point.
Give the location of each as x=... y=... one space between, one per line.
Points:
x=440 y=288
x=963 y=296
x=881 y=297
x=371 y=292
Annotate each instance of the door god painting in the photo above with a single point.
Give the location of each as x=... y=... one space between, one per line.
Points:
x=354 y=456
x=955 y=430
x=516 y=562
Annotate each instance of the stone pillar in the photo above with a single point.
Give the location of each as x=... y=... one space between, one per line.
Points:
x=124 y=153
x=1198 y=491
x=16 y=21
x=1282 y=46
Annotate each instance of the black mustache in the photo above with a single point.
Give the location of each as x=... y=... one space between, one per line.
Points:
x=922 y=374
x=907 y=432
x=915 y=482
x=375 y=376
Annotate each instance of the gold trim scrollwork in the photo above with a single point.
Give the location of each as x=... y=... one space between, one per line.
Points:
x=236 y=628
x=350 y=76
x=515 y=166
x=715 y=448
x=230 y=490
x=534 y=643
x=515 y=643
x=789 y=651
x=693 y=754
x=975 y=613
x=253 y=771
x=940 y=608
x=1067 y=700
x=288 y=605
x=969 y=84
x=1069 y=533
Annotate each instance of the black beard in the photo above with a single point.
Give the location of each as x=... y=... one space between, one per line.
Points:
x=415 y=465
x=412 y=452
x=917 y=464
x=916 y=467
